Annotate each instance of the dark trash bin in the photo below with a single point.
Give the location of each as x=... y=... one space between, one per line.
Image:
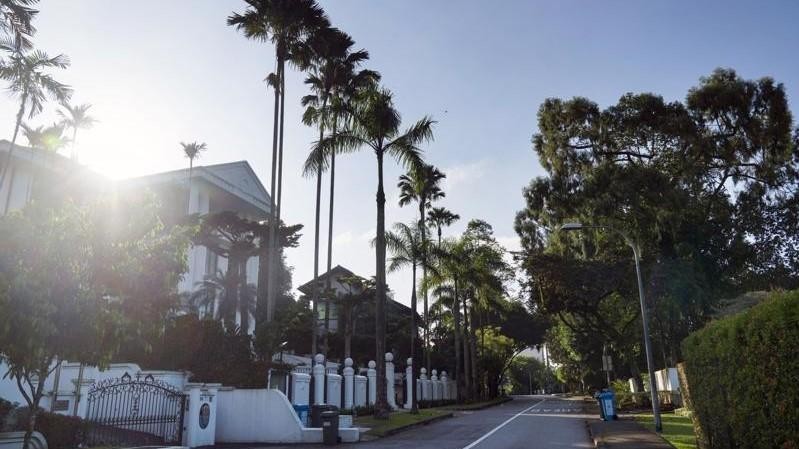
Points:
x=316 y=413
x=330 y=427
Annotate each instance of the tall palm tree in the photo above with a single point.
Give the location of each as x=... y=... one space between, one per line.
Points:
x=15 y=22
x=192 y=151
x=284 y=23
x=333 y=81
x=75 y=118
x=406 y=245
x=50 y=139
x=375 y=124
x=440 y=217
x=31 y=85
x=422 y=185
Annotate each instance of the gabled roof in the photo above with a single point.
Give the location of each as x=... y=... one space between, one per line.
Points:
x=336 y=272
x=238 y=178
x=49 y=160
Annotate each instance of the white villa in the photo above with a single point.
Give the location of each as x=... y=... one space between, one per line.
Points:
x=35 y=174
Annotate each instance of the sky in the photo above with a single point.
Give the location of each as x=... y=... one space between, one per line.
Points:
x=161 y=72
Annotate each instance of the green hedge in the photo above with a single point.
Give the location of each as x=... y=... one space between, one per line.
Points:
x=743 y=373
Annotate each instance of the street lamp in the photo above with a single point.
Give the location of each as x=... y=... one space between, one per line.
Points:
x=644 y=319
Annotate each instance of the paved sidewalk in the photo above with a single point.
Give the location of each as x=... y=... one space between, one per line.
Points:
x=624 y=433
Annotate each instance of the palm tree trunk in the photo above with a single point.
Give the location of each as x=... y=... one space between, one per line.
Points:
x=473 y=348
x=456 y=318
x=414 y=406
x=7 y=164
x=270 y=295
x=426 y=318
x=348 y=330
x=188 y=200
x=381 y=405
x=467 y=362
x=317 y=215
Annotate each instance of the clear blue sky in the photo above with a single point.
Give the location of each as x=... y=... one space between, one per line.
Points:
x=159 y=72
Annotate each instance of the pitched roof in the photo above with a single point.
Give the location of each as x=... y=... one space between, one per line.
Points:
x=336 y=272
x=237 y=178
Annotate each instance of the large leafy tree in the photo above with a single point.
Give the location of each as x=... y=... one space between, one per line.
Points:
x=422 y=186
x=375 y=124
x=285 y=23
x=706 y=186
x=29 y=82
x=79 y=282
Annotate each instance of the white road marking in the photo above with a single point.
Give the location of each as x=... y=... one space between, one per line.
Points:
x=491 y=432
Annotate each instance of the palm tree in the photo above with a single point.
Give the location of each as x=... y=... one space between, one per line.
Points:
x=50 y=139
x=192 y=151
x=28 y=82
x=285 y=23
x=333 y=81
x=15 y=22
x=76 y=117
x=421 y=185
x=376 y=125
x=406 y=245
x=440 y=217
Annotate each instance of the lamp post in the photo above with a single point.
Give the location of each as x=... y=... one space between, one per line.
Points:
x=644 y=318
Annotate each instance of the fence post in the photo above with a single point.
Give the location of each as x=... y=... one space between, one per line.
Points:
x=371 y=375
x=425 y=390
x=434 y=386
x=409 y=381
x=444 y=386
x=392 y=399
x=349 y=374
x=319 y=380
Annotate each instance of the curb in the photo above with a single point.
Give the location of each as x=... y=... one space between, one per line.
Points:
x=596 y=439
x=483 y=406
x=432 y=420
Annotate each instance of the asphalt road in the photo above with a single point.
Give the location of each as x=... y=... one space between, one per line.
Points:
x=527 y=422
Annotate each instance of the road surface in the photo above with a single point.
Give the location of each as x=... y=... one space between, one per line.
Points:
x=527 y=422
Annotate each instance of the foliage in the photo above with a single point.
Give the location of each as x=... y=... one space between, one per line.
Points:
x=742 y=370
x=78 y=282
x=706 y=187
x=60 y=431
x=527 y=375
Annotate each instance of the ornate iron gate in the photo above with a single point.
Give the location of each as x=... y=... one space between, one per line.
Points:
x=134 y=411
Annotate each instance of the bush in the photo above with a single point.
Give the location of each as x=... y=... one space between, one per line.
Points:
x=61 y=431
x=742 y=372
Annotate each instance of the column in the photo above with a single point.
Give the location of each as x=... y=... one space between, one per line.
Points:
x=435 y=386
x=300 y=388
x=360 y=391
x=334 y=389
x=409 y=381
x=426 y=387
x=371 y=374
x=349 y=393
x=392 y=400
x=319 y=379
x=444 y=386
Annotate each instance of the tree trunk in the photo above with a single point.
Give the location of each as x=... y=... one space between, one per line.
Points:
x=7 y=165
x=473 y=347
x=467 y=361
x=33 y=406
x=456 y=318
x=426 y=318
x=330 y=233
x=270 y=295
x=188 y=200
x=414 y=406
x=348 y=330
x=317 y=215
x=381 y=405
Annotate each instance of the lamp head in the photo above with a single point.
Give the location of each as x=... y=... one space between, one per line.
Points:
x=571 y=227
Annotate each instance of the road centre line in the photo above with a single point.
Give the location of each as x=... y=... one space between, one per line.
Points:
x=491 y=432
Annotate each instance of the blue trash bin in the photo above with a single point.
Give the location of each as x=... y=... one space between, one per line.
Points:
x=607 y=404
x=302 y=413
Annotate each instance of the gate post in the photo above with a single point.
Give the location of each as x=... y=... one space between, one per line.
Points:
x=349 y=393
x=371 y=375
x=392 y=399
x=199 y=418
x=319 y=380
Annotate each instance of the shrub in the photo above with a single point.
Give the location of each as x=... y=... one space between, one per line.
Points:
x=742 y=371
x=61 y=431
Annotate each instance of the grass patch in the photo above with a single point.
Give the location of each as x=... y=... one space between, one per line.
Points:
x=397 y=420
x=677 y=430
